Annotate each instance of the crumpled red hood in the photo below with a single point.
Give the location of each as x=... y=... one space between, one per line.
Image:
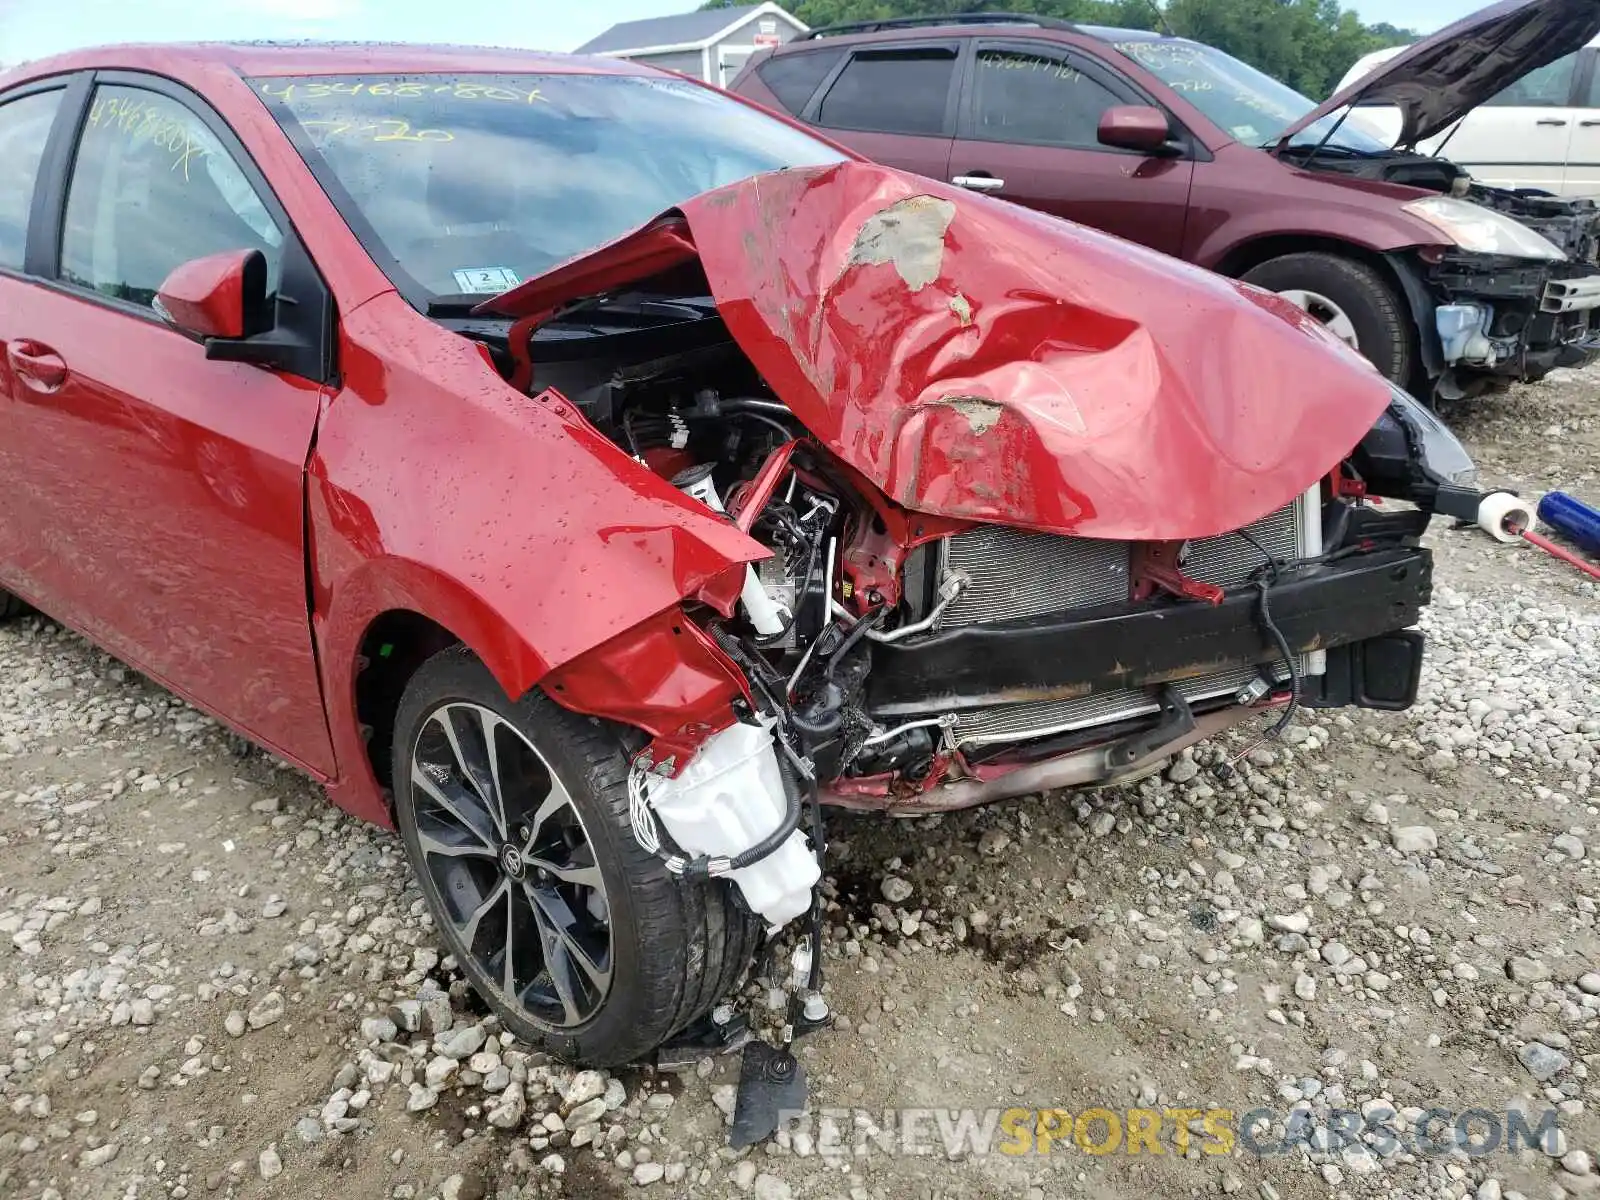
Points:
x=978 y=360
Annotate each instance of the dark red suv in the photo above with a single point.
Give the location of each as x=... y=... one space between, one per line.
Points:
x=1451 y=288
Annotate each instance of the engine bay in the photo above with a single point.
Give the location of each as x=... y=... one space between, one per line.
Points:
x=896 y=653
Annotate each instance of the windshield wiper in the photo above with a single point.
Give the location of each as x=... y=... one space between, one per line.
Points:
x=1337 y=151
x=454 y=306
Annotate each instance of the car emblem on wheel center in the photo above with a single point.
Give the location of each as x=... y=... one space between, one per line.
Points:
x=512 y=862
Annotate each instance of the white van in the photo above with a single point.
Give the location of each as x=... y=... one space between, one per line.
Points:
x=1541 y=132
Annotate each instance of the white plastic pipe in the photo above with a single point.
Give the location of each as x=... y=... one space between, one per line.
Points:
x=1505 y=517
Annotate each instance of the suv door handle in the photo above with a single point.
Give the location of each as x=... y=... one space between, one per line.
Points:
x=979 y=183
x=38 y=366
x=1552 y=121
x=1589 y=124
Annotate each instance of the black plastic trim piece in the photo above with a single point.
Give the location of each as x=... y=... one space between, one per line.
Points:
x=1067 y=655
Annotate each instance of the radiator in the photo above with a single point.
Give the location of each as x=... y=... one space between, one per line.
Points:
x=1013 y=573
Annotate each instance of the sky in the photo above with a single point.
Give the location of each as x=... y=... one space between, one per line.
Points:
x=34 y=28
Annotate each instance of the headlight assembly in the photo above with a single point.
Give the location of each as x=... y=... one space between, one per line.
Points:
x=1482 y=230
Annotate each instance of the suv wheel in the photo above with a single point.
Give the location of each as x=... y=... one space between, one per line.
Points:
x=514 y=815
x=1352 y=299
x=11 y=606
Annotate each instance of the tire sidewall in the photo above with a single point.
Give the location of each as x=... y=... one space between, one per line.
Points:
x=1382 y=336
x=624 y=866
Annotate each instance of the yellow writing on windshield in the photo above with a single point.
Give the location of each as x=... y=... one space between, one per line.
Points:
x=398 y=90
x=385 y=129
x=141 y=121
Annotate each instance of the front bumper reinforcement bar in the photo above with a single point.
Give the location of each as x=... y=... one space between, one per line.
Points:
x=1060 y=656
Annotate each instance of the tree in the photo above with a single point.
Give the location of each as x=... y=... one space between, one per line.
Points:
x=1309 y=44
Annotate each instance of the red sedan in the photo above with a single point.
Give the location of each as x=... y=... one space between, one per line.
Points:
x=594 y=476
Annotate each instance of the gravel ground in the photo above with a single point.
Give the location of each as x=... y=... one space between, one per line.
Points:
x=211 y=982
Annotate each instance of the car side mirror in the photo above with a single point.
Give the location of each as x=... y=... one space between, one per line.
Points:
x=219 y=298
x=1141 y=127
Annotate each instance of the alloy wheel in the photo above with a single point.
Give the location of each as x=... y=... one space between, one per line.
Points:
x=1336 y=320
x=514 y=870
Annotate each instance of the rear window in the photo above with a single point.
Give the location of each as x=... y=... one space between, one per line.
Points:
x=793 y=78
x=892 y=91
x=470 y=184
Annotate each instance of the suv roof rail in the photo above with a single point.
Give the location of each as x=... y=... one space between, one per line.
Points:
x=966 y=18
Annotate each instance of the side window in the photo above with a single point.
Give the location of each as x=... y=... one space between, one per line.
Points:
x=1036 y=98
x=151 y=189
x=1548 y=87
x=793 y=77
x=892 y=91
x=24 y=128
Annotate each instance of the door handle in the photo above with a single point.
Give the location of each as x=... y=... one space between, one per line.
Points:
x=1589 y=124
x=979 y=183
x=1553 y=121
x=38 y=366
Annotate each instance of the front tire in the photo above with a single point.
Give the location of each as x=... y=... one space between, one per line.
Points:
x=1353 y=300
x=11 y=606
x=514 y=815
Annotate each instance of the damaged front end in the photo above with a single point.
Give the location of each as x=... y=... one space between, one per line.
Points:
x=1042 y=508
x=1509 y=291
x=1505 y=318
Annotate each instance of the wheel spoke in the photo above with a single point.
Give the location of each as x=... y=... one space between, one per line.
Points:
x=588 y=877
x=473 y=749
x=469 y=928
x=471 y=847
x=557 y=965
x=496 y=796
x=557 y=920
x=452 y=806
x=521 y=921
x=552 y=804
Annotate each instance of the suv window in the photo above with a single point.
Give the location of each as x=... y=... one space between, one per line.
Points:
x=892 y=91
x=24 y=128
x=151 y=189
x=792 y=78
x=1548 y=87
x=1037 y=98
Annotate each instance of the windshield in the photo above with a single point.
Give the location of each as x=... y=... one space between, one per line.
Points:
x=1246 y=104
x=470 y=184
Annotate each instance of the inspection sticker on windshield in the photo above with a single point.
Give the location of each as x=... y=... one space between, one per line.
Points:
x=492 y=280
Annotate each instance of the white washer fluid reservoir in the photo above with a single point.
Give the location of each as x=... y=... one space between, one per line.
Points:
x=729 y=798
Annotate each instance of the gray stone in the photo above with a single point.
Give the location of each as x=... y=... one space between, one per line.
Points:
x=508 y=1112
x=270 y=1164
x=1570 y=845
x=421 y=1098
x=378 y=1029
x=461 y=1043
x=1527 y=971
x=895 y=890
x=1414 y=839
x=1542 y=1062
x=267 y=1011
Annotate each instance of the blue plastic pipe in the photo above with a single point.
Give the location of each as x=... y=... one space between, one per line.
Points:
x=1572 y=519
